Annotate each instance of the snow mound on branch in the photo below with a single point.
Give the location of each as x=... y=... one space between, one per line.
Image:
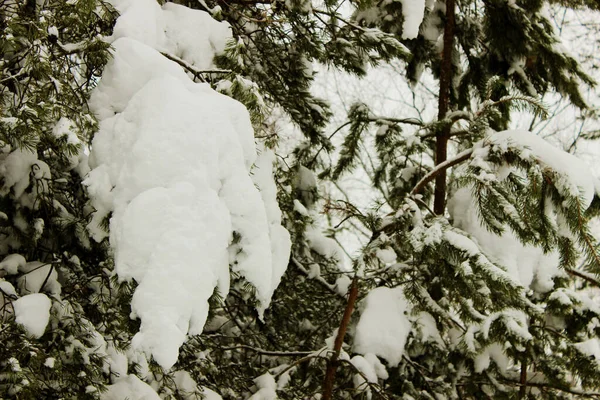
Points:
x=192 y=35
x=383 y=326
x=575 y=179
x=129 y=387
x=33 y=313
x=172 y=166
x=413 y=12
x=526 y=264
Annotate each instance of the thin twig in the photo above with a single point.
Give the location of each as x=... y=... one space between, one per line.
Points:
x=269 y=352
x=319 y=279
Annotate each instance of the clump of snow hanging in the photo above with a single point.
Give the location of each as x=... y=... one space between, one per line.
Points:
x=266 y=388
x=526 y=264
x=413 y=12
x=325 y=246
x=12 y=262
x=192 y=35
x=131 y=388
x=188 y=389
x=590 y=347
x=172 y=162
x=20 y=169
x=33 y=313
x=383 y=326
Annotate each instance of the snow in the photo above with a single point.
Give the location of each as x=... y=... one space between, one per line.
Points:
x=386 y=255
x=342 y=284
x=66 y=128
x=33 y=313
x=525 y=264
x=188 y=389
x=36 y=274
x=325 y=246
x=428 y=328
x=129 y=387
x=7 y=288
x=383 y=326
x=300 y=209
x=50 y=361
x=492 y=352
x=266 y=388
x=576 y=178
x=367 y=375
x=590 y=347
x=189 y=34
x=172 y=164
x=413 y=12
x=12 y=262
x=15 y=169
x=514 y=320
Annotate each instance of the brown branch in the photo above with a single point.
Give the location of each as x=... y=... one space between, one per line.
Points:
x=408 y=121
x=441 y=147
x=339 y=340
x=439 y=170
x=269 y=352
x=523 y=379
x=583 y=276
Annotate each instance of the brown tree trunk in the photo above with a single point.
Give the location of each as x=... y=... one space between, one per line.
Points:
x=339 y=340
x=441 y=147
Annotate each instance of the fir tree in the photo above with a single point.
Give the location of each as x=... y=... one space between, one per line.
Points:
x=466 y=323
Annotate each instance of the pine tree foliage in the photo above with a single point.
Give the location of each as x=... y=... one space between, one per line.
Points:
x=474 y=330
x=52 y=55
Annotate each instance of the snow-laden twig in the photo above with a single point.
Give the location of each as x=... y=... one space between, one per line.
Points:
x=320 y=279
x=269 y=352
x=196 y=72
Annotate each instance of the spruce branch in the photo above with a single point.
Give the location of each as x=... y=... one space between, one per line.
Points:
x=579 y=392
x=583 y=276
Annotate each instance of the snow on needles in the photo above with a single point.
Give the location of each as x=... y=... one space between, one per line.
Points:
x=383 y=326
x=526 y=264
x=172 y=162
x=576 y=177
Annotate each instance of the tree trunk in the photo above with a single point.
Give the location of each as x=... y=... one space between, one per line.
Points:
x=441 y=148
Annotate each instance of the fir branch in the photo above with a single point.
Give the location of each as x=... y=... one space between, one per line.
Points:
x=579 y=392
x=269 y=352
x=583 y=276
